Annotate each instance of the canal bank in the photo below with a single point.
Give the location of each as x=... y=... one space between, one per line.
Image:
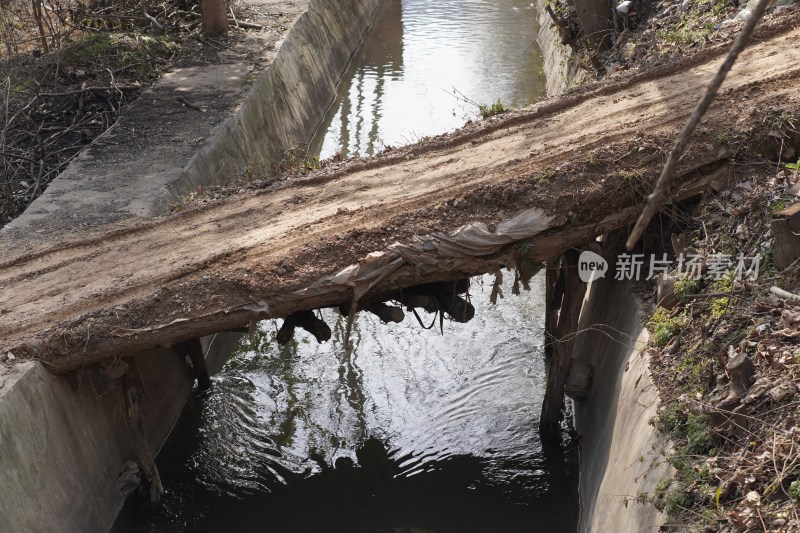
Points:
x=69 y=445
x=620 y=449
x=248 y=103
x=410 y=426
x=628 y=466
x=615 y=468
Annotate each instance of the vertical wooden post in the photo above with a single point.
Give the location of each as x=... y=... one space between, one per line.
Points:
x=574 y=291
x=198 y=359
x=132 y=390
x=215 y=17
x=554 y=294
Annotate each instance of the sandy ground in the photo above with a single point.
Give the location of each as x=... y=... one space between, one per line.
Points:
x=63 y=301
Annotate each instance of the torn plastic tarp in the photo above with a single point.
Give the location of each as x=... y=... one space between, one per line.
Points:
x=464 y=250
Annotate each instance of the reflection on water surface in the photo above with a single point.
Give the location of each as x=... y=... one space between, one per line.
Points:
x=410 y=428
x=400 y=85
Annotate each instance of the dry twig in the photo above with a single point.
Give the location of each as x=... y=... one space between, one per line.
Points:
x=668 y=173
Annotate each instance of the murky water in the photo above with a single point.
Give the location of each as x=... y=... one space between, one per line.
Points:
x=410 y=430
x=422 y=58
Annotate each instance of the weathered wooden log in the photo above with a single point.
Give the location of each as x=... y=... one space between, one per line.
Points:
x=387 y=313
x=412 y=300
x=459 y=286
x=554 y=294
x=433 y=297
x=306 y=320
x=97 y=347
x=286 y=333
x=574 y=291
x=458 y=309
x=453 y=305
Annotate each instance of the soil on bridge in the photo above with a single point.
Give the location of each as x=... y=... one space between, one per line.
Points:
x=588 y=156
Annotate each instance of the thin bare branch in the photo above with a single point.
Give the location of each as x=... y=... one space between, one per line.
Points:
x=665 y=180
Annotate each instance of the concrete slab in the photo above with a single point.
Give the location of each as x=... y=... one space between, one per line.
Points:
x=263 y=93
x=63 y=440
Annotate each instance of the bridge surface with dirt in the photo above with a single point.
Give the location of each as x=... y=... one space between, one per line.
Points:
x=575 y=167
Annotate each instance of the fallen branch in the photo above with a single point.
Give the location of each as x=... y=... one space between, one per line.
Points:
x=561 y=23
x=784 y=294
x=21 y=158
x=87 y=89
x=151 y=18
x=245 y=25
x=667 y=174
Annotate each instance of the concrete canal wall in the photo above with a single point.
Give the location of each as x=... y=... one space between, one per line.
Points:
x=65 y=439
x=620 y=450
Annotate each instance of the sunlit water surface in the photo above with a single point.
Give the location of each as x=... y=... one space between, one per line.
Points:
x=421 y=61
x=408 y=429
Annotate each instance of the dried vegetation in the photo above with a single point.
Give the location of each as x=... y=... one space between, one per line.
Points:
x=726 y=355
x=68 y=68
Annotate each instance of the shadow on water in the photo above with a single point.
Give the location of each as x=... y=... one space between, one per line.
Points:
x=372 y=496
x=407 y=431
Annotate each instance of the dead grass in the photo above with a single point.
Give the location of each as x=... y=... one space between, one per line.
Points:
x=65 y=84
x=737 y=460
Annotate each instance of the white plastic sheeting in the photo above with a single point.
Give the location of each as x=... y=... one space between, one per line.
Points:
x=470 y=248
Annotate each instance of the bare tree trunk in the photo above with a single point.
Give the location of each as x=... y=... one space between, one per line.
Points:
x=37 y=14
x=594 y=17
x=554 y=294
x=574 y=291
x=215 y=17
